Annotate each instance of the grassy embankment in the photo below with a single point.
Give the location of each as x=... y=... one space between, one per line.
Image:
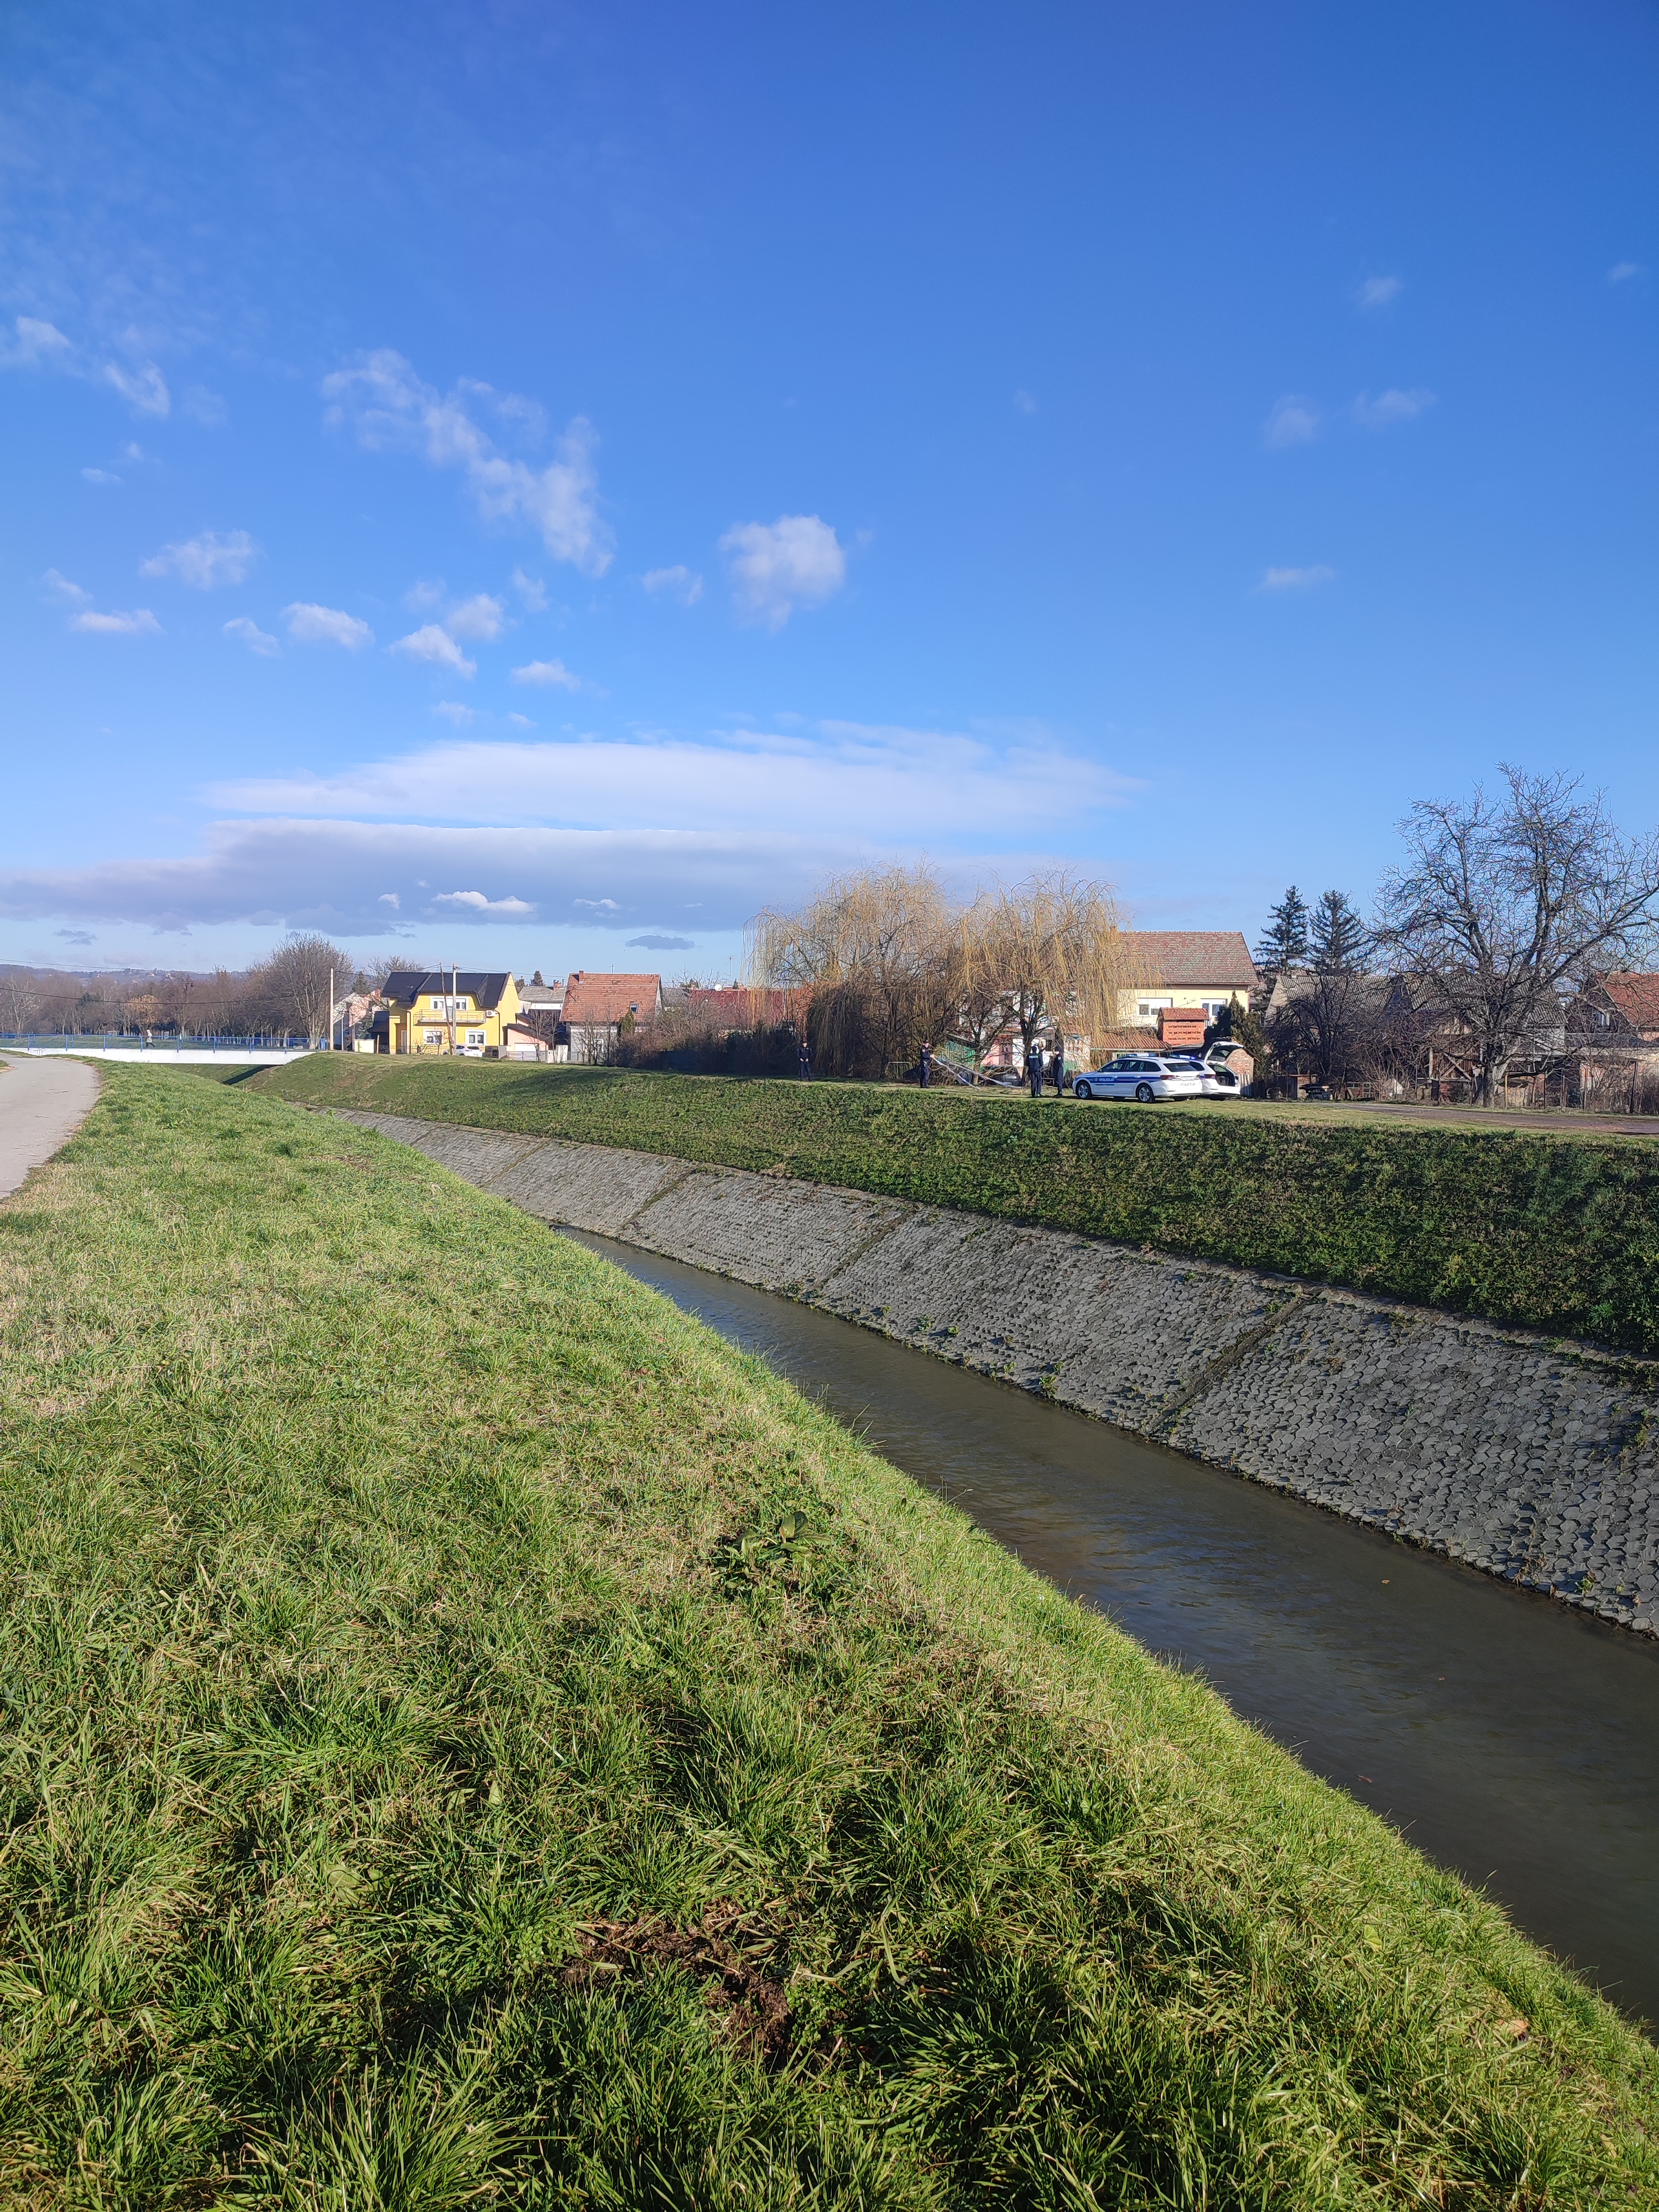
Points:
x=470 y=1733
x=1554 y=1233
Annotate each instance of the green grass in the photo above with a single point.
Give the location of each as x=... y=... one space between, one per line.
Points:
x=472 y=1737
x=1554 y=1233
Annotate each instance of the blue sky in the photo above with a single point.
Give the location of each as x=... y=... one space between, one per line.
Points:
x=532 y=484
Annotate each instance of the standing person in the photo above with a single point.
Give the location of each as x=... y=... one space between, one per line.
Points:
x=1057 y=1066
x=804 y=1061
x=1034 y=1067
x=926 y=1066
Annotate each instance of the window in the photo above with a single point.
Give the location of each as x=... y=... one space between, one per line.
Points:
x=475 y=1037
x=1148 y=1008
x=435 y=1037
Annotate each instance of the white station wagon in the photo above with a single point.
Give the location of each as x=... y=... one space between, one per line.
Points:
x=1144 y=1076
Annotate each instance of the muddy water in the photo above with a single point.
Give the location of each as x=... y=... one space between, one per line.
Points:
x=1509 y=1738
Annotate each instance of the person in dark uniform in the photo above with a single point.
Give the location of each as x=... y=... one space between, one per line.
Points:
x=804 y=1061
x=1057 y=1066
x=927 y=1075
x=1034 y=1067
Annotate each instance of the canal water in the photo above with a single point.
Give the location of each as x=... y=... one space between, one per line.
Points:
x=1507 y=1736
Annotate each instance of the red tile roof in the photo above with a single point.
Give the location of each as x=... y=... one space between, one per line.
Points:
x=1637 y=998
x=1188 y=959
x=740 y=1008
x=591 y=998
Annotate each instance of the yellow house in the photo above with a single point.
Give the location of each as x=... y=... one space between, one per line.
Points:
x=445 y=1010
x=1195 y=968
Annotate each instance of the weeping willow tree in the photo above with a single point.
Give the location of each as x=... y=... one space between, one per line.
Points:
x=889 y=962
x=1052 y=949
x=878 y=955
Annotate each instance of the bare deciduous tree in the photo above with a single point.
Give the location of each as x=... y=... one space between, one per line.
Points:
x=19 y=1001
x=1054 y=947
x=876 y=950
x=289 y=992
x=1503 y=902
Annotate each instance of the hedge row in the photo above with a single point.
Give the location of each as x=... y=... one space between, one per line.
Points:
x=1556 y=1234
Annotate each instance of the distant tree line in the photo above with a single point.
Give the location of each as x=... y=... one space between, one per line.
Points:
x=286 y=994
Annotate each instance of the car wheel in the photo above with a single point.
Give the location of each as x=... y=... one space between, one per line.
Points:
x=1144 y=1093
x=1081 y=1091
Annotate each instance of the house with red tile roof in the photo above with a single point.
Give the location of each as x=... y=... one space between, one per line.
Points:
x=598 y=1008
x=1620 y=1004
x=1172 y=972
x=740 y=1007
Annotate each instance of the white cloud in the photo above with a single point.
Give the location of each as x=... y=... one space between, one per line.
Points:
x=521 y=721
x=1024 y=403
x=530 y=590
x=776 y=567
x=389 y=406
x=338 y=876
x=1293 y=422
x=425 y=597
x=1379 y=291
x=205 y=562
x=1296 y=579
x=315 y=625
x=512 y=909
x=678 y=582
x=481 y=619
x=143 y=386
x=38 y=344
x=100 y=476
x=548 y=671
x=434 y=645
x=453 y=711
x=1620 y=273
x=921 y=786
x=255 y=639
x=1390 y=407
x=133 y=621
x=600 y=905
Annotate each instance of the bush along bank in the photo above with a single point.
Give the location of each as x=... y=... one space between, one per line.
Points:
x=475 y=1735
x=1551 y=1233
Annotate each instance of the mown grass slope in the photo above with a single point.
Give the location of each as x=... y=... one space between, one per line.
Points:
x=472 y=1736
x=1555 y=1233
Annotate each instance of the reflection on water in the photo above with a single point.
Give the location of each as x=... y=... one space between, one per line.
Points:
x=1511 y=1739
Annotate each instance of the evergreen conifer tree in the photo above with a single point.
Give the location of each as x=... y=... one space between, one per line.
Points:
x=1284 y=943
x=1337 y=938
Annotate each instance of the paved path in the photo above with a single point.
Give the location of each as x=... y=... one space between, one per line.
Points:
x=42 y=1103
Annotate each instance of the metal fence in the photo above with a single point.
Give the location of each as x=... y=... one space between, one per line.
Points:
x=137 y=1041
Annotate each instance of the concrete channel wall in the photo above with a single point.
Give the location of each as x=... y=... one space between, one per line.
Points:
x=1527 y=1457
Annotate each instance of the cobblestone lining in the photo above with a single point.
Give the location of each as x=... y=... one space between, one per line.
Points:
x=1527 y=1457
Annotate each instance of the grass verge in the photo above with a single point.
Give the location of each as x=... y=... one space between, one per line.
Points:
x=1554 y=1233
x=471 y=1735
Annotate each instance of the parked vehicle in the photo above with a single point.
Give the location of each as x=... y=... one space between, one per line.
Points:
x=1142 y=1076
x=1218 y=1079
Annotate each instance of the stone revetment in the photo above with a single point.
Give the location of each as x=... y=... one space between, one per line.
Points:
x=1528 y=1457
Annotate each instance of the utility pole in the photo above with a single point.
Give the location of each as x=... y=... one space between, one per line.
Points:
x=455 y=976
x=331 y=1005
